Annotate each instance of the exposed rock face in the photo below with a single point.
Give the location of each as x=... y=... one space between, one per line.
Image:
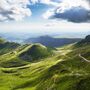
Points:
x=87 y=39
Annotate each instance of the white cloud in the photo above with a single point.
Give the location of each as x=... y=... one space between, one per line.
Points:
x=33 y=1
x=14 y=9
x=48 y=14
x=48 y=2
x=75 y=3
x=17 y=9
x=74 y=11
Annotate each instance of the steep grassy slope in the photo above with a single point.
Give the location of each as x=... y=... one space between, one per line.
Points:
x=11 y=58
x=6 y=47
x=36 y=52
x=65 y=70
x=2 y=40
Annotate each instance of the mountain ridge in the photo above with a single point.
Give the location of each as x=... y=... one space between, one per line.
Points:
x=52 y=42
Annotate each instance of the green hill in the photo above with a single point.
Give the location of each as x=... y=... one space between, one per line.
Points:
x=2 y=40
x=86 y=40
x=11 y=58
x=25 y=54
x=36 y=52
x=6 y=47
x=67 y=69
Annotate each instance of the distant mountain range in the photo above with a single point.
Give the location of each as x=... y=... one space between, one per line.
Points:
x=52 y=42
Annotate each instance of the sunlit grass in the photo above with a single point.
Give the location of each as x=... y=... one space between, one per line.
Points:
x=64 y=70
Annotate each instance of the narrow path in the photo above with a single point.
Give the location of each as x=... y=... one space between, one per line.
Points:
x=20 y=67
x=84 y=58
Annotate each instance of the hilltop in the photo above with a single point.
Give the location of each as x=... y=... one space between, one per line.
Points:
x=35 y=52
x=86 y=40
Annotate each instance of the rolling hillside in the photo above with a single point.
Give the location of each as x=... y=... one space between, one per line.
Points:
x=67 y=69
x=6 y=47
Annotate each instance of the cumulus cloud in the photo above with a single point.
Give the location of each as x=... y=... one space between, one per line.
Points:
x=71 y=10
x=14 y=9
x=48 y=2
x=74 y=11
x=88 y=1
x=17 y=9
x=39 y=1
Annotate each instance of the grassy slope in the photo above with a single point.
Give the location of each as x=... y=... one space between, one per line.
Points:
x=36 y=52
x=11 y=58
x=63 y=71
x=21 y=55
x=6 y=47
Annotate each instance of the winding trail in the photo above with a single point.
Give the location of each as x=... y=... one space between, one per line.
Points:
x=84 y=58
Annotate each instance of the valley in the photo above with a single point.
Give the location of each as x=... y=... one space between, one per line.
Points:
x=37 y=67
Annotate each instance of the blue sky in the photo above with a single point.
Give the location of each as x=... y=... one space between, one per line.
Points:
x=44 y=15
